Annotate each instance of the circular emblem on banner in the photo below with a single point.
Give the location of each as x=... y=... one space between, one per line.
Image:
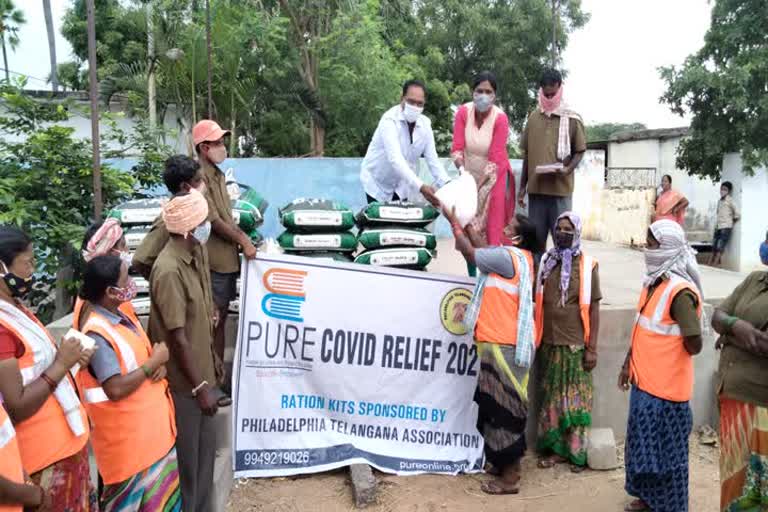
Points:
x=453 y=308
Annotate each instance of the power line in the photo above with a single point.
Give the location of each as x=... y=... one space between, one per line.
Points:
x=25 y=75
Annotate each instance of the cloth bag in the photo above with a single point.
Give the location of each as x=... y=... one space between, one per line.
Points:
x=460 y=193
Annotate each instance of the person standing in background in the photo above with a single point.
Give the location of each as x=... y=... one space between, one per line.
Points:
x=727 y=216
x=553 y=143
x=480 y=133
x=390 y=169
x=670 y=204
x=226 y=236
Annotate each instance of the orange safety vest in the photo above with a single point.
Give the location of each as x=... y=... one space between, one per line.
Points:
x=10 y=458
x=45 y=437
x=126 y=308
x=587 y=265
x=660 y=364
x=497 y=319
x=131 y=434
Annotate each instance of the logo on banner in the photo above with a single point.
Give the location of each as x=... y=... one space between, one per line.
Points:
x=453 y=308
x=286 y=294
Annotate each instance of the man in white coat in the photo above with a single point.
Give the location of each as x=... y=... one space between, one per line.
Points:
x=390 y=170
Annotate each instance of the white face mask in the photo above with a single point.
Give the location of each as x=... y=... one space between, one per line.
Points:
x=202 y=232
x=126 y=257
x=483 y=101
x=411 y=113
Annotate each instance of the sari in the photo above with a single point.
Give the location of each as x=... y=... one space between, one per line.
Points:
x=156 y=489
x=666 y=202
x=68 y=483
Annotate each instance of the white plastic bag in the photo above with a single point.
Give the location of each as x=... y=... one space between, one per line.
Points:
x=232 y=187
x=461 y=194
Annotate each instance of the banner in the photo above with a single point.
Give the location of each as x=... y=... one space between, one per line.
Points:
x=339 y=364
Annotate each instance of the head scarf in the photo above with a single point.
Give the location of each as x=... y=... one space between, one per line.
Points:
x=673 y=257
x=565 y=256
x=184 y=213
x=104 y=240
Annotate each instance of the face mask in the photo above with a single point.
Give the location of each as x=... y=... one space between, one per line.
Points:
x=128 y=293
x=411 y=113
x=202 y=188
x=563 y=240
x=483 y=101
x=217 y=153
x=126 y=258
x=19 y=286
x=202 y=232
x=764 y=253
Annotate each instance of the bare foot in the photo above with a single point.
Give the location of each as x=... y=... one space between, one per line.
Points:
x=500 y=487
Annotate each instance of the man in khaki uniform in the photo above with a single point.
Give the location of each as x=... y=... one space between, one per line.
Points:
x=226 y=236
x=181 y=316
x=553 y=143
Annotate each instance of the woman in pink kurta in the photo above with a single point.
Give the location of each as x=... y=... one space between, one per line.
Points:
x=480 y=134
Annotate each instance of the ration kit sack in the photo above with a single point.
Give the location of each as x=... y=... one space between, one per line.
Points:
x=318 y=226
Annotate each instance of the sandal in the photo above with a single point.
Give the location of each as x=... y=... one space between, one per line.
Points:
x=550 y=462
x=637 y=506
x=576 y=469
x=494 y=488
x=224 y=401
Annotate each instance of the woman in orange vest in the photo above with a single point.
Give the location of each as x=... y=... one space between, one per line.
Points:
x=124 y=387
x=567 y=321
x=659 y=370
x=501 y=317
x=100 y=239
x=40 y=396
x=15 y=493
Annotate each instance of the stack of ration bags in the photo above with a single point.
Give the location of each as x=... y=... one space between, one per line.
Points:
x=136 y=218
x=318 y=228
x=394 y=234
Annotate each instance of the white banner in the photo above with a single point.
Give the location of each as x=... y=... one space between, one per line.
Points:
x=340 y=363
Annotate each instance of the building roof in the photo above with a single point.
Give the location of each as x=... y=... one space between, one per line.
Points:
x=629 y=136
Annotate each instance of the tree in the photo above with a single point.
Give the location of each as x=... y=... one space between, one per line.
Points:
x=11 y=20
x=71 y=76
x=604 y=131
x=54 y=79
x=724 y=87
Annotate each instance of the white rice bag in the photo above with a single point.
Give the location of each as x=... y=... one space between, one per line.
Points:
x=460 y=193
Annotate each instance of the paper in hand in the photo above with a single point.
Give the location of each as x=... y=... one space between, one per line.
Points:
x=86 y=342
x=549 y=168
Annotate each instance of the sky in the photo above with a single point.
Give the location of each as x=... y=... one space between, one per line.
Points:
x=611 y=63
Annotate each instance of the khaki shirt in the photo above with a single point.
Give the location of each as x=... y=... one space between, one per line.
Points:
x=180 y=285
x=223 y=254
x=727 y=214
x=539 y=146
x=153 y=243
x=744 y=375
x=562 y=325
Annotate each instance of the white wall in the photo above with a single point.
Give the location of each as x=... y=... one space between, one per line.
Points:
x=750 y=194
x=636 y=153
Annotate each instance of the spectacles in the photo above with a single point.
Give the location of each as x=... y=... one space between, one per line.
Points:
x=414 y=103
x=214 y=143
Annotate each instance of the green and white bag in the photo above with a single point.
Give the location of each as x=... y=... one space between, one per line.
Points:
x=249 y=195
x=246 y=215
x=138 y=211
x=344 y=257
x=391 y=236
x=345 y=241
x=404 y=257
x=135 y=235
x=256 y=237
x=398 y=212
x=316 y=215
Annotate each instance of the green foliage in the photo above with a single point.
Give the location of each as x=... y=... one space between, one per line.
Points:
x=71 y=76
x=604 y=131
x=46 y=182
x=724 y=86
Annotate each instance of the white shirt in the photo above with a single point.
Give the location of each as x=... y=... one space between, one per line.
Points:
x=391 y=164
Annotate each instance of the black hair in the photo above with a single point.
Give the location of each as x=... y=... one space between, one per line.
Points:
x=550 y=76
x=728 y=185
x=179 y=169
x=669 y=178
x=100 y=273
x=414 y=83
x=485 y=76
x=526 y=230
x=13 y=242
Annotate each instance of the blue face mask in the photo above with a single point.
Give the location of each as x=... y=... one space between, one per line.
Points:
x=202 y=232
x=764 y=253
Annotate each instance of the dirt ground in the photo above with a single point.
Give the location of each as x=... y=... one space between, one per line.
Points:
x=552 y=490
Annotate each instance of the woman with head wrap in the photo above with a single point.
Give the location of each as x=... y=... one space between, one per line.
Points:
x=567 y=322
x=101 y=239
x=659 y=370
x=181 y=315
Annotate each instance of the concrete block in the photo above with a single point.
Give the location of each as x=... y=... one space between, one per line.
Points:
x=223 y=477
x=363 y=484
x=601 y=450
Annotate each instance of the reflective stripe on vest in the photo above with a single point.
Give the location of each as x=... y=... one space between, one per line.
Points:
x=7 y=433
x=653 y=323
x=494 y=281
x=10 y=458
x=585 y=269
x=95 y=395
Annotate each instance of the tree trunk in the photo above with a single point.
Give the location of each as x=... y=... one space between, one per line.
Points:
x=317 y=138
x=51 y=44
x=233 y=129
x=5 y=59
x=210 y=57
x=151 y=88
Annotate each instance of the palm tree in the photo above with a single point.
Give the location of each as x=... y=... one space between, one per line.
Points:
x=11 y=20
x=51 y=44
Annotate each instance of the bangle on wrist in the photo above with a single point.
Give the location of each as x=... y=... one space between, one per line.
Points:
x=146 y=370
x=197 y=388
x=728 y=323
x=51 y=383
